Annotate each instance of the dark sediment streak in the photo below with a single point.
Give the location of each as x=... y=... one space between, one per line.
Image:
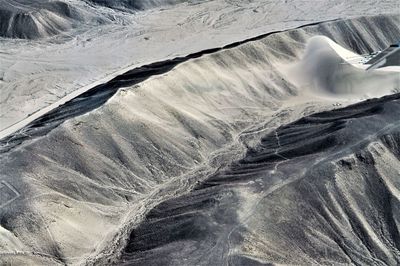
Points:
x=97 y=96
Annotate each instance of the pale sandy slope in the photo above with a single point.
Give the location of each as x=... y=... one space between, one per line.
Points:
x=83 y=187
x=34 y=74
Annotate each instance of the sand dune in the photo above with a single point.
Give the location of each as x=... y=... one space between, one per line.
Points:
x=177 y=159
x=325 y=71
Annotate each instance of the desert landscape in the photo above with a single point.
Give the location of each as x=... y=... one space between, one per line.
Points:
x=178 y=132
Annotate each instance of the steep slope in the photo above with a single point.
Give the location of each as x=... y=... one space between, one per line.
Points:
x=321 y=190
x=74 y=192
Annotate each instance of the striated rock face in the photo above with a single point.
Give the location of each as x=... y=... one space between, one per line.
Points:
x=204 y=164
x=321 y=190
x=36 y=19
x=139 y=4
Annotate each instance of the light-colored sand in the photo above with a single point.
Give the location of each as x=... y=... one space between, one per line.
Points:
x=328 y=69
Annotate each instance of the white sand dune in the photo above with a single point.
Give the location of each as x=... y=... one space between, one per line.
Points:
x=329 y=69
x=84 y=186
